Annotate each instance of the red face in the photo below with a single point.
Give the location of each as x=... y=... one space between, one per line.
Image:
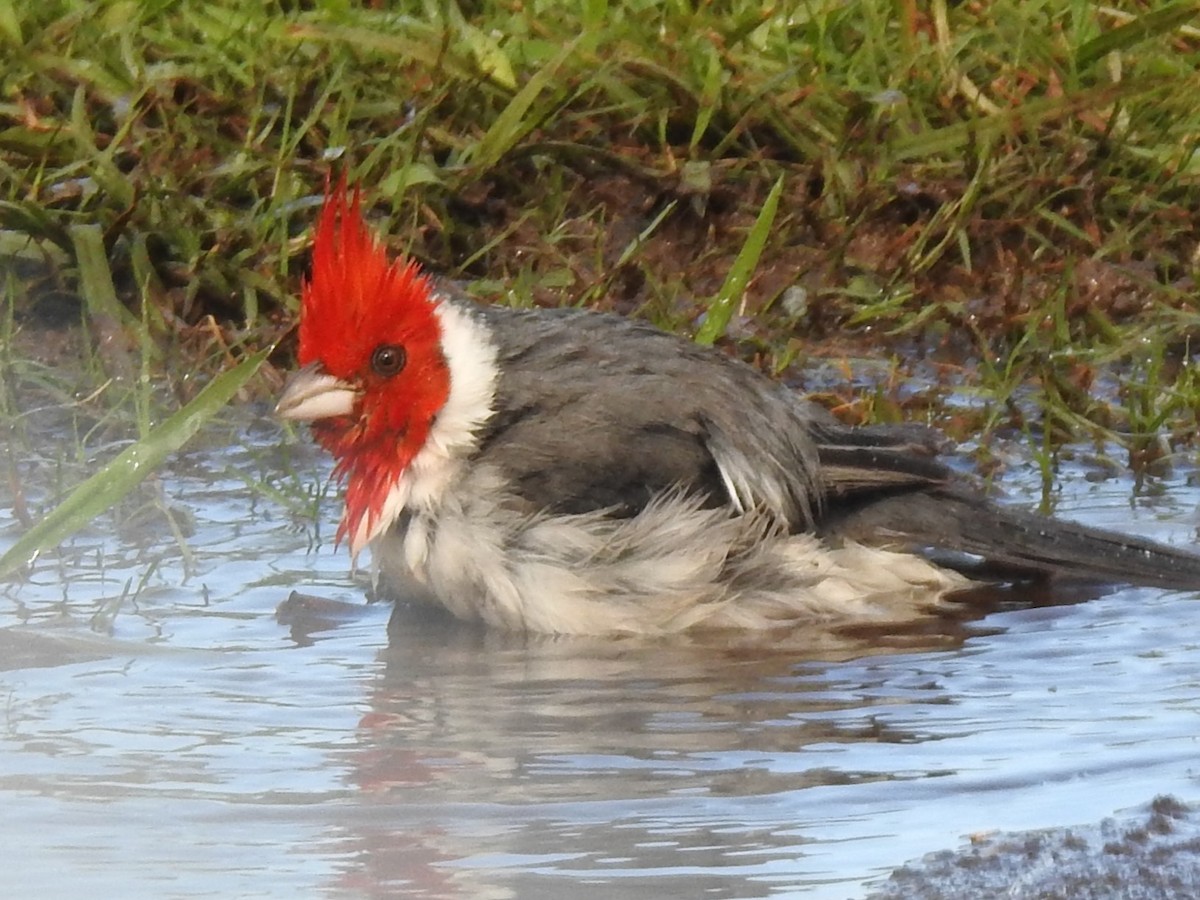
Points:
x=370 y=324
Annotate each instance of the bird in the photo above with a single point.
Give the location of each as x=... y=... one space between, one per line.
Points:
x=574 y=472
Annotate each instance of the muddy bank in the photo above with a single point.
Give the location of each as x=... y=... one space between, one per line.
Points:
x=1155 y=856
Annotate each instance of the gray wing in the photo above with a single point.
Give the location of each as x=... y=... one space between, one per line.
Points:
x=596 y=411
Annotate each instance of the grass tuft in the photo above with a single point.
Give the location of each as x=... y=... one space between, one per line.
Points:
x=1005 y=188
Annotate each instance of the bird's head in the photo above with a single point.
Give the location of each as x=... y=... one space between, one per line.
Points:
x=374 y=376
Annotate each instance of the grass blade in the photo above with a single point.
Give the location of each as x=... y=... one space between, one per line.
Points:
x=108 y=317
x=1145 y=26
x=720 y=309
x=514 y=121
x=104 y=489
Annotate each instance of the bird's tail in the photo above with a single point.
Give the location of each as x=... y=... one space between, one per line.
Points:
x=1006 y=543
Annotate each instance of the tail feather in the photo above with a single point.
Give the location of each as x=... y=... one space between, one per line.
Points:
x=1016 y=544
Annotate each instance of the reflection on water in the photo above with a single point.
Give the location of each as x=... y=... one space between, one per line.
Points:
x=190 y=743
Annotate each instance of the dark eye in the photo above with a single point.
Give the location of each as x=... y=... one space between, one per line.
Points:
x=388 y=359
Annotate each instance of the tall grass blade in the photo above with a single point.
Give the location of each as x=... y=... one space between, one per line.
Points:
x=110 y=320
x=1148 y=25
x=108 y=486
x=514 y=122
x=720 y=309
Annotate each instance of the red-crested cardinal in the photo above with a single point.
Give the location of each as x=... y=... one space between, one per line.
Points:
x=568 y=471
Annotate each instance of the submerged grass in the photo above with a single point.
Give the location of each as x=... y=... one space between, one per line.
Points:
x=1010 y=184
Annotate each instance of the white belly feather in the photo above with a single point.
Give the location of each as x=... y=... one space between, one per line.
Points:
x=674 y=566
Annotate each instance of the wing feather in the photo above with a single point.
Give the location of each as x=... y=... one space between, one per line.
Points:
x=599 y=412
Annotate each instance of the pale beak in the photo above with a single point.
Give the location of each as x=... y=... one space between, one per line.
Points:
x=310 y=394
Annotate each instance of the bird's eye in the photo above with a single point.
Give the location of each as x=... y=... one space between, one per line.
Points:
x=388 y=359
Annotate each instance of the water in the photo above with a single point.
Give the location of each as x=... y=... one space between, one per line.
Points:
x=163 y=733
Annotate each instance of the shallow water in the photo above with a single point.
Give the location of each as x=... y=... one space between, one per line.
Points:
x=164 y=734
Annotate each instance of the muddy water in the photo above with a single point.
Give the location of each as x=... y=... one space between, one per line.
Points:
x=164 y=733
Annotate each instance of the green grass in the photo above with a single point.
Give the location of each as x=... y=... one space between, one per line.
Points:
x=1009 y=186
x=116 y=479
